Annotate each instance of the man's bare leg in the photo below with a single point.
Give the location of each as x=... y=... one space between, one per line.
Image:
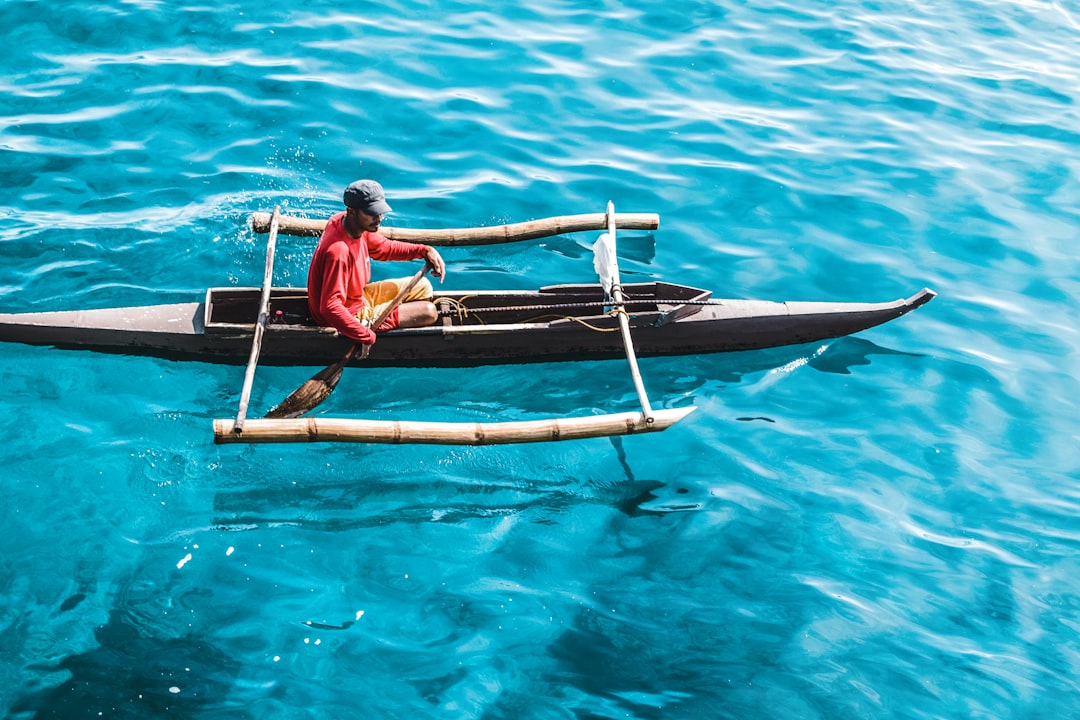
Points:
x=418 y=313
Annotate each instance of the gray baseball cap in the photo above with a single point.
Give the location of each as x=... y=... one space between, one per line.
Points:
x=366 y=195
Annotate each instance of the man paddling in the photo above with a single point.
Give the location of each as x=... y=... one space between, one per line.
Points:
x=340 y=292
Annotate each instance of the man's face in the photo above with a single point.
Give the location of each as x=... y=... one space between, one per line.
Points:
x=366 y=222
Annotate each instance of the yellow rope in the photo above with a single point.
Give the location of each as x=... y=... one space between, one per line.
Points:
x=578 y=320
x=593 y=327
x=457 y=306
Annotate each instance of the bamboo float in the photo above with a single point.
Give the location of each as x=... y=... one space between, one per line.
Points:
x=445 y=433
x=530 y=230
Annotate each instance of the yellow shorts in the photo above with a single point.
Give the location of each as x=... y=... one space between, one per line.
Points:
x=380 y=294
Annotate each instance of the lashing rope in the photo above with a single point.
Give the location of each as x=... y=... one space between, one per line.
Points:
x=460 y=310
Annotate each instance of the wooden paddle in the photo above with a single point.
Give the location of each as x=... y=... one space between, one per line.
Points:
x=306 y=397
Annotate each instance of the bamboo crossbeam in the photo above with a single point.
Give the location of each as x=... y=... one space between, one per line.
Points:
x=514 y=232
x=445 y=433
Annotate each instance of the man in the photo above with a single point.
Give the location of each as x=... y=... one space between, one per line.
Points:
x=340 y=292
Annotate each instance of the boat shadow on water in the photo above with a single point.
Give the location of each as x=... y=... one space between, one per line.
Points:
x=133 y=674
x=706 y=375
x=336 y=507
x=520 y=391
x=342 y=502
x=848 y=352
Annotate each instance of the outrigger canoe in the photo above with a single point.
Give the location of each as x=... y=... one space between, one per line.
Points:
x=481 y=327
x=272 y=326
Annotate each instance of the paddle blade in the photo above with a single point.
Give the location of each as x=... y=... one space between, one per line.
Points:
x=308 y=396
x=604 y=261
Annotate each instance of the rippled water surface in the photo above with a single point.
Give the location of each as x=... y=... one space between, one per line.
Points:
x=884 y=525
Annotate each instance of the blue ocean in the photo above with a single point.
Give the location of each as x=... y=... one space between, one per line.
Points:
x=885 y=525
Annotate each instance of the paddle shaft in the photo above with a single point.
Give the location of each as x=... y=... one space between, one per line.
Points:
x=308 y=396
x=381 y=317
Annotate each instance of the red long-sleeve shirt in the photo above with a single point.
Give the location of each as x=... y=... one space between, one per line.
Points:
x=341 y=267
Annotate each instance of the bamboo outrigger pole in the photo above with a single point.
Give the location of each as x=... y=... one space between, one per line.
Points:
x=260 y=323
x=607 y=267
x=530 y=230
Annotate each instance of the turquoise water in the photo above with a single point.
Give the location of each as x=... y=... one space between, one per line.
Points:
x=879 y=526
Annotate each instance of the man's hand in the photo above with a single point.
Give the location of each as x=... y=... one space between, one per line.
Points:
x=437 y=264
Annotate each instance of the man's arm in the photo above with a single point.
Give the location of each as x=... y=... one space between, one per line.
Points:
x=382 y=248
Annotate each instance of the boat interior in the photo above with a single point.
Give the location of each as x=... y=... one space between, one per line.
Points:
x=288 y=306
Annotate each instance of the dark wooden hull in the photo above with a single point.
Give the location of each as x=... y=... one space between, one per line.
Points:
x=557 y=323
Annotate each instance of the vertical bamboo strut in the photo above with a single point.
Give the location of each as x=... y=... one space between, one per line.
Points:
x=260 y=323
x=624 y=321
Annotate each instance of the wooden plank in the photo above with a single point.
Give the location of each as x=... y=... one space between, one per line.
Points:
x=445 y=433
x=260 y=323
x=530 y=230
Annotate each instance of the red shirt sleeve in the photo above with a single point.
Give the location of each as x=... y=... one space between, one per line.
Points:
x=383 y=248
x=334 y=295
